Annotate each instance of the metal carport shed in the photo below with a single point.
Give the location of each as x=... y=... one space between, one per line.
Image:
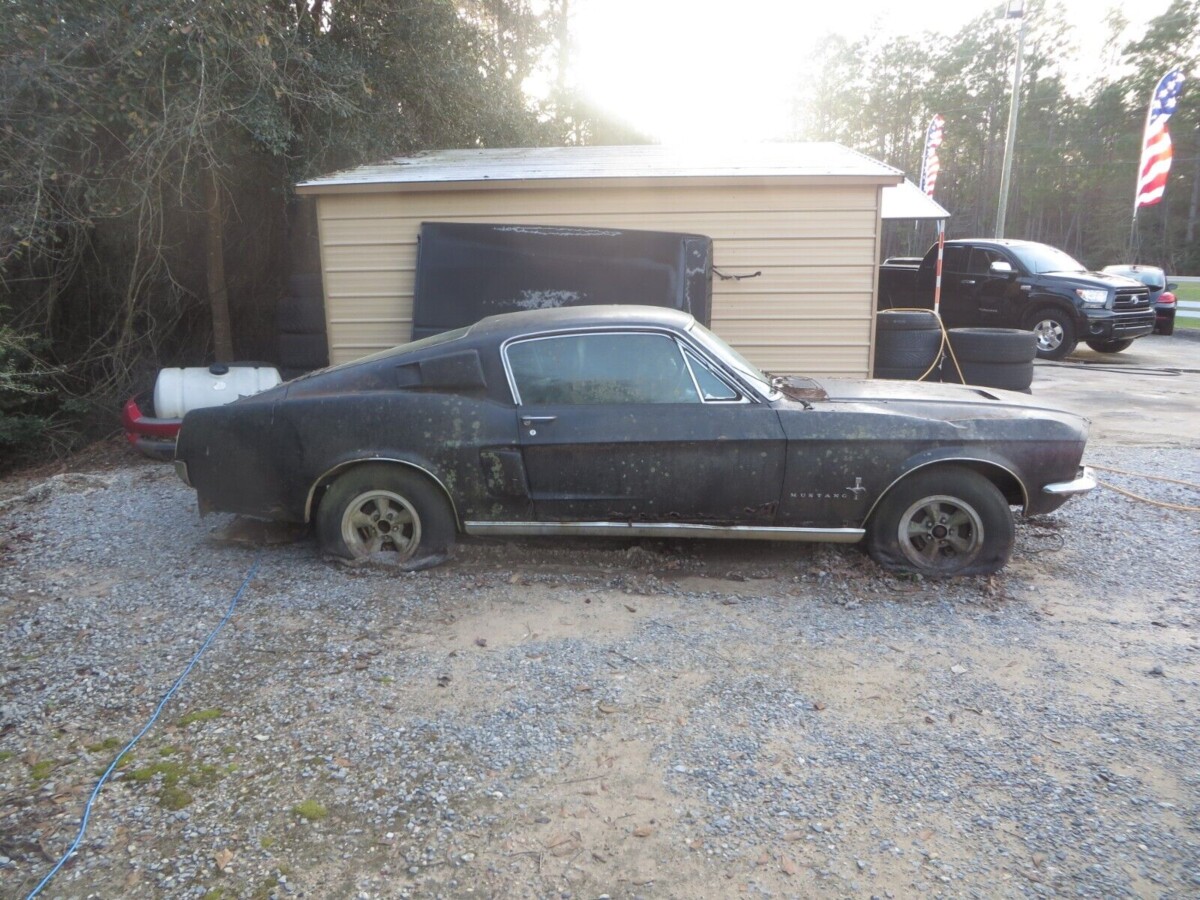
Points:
x=805 y=216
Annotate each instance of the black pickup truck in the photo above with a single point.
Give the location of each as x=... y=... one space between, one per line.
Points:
x=1022 y=284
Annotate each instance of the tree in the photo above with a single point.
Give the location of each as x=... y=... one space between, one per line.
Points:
x=148 y=148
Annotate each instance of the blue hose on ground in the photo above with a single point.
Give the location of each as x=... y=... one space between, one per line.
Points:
x=87 y=809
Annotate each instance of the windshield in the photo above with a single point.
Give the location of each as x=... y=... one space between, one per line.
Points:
x=722 y=351
x=1038 y=258
x=1154 y=279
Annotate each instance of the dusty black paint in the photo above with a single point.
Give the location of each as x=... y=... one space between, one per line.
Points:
x=818 y=459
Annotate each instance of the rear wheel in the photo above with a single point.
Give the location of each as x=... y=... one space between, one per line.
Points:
x=1109 y=346
x=941 y=523
x=386 y=509
x=1054 y=331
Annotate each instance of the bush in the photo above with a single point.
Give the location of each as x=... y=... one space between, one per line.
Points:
x=23 y=394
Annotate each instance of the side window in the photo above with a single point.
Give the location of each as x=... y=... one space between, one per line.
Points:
x=954 y=259
x=712 y=386
x=601 y=368
x=981 y=260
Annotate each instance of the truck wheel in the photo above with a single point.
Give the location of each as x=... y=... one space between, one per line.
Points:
x=1054 y=331
x=386 y=509
x=942 y=522
x=1109 y=346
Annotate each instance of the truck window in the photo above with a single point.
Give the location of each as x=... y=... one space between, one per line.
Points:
x=981 y=260
x=954 y=259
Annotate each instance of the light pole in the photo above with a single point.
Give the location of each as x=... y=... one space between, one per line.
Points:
x=1016 y=10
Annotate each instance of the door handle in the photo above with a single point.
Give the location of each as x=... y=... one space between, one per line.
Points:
x=968 y=281
x=536 y=420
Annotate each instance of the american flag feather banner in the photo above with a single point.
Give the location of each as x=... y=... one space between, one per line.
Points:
x=929 y=164
x=1157 y=151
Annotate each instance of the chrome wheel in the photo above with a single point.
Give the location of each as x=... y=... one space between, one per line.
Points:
x=381 y=521
x=1049 y=335
x=940 y=534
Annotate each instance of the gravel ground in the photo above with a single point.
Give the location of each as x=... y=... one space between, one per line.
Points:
x=585 y=718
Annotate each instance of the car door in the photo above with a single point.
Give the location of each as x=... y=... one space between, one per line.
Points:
x=954 y=306
x=987 y=290
x=639 y=426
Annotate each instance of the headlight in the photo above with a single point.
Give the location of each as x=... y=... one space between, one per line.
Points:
x=1092 y=297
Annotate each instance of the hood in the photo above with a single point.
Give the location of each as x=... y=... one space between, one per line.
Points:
x=931 y=400
x=1094 y=280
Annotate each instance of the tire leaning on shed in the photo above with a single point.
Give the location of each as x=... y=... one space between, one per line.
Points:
x=992 y=357
x=907 y=343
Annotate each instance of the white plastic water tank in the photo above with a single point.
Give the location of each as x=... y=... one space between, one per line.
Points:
x=178 y=390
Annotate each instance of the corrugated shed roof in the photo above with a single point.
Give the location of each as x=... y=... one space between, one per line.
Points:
x=555 y=164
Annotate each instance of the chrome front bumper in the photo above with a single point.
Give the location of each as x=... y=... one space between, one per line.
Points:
x=1085 y=482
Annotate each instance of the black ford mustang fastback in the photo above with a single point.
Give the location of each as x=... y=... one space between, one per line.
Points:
x=630 y=421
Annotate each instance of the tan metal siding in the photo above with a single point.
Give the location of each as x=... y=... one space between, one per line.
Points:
x=809 y=311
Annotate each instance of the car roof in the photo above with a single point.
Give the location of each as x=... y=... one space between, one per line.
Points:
x=998 y=242
x=506 y=325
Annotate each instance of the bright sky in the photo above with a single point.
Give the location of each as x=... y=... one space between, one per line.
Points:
x=725 y=71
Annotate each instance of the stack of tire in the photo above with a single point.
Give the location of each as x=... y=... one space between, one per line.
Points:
x=991 y=357
x=300 y=326
x=907 y=344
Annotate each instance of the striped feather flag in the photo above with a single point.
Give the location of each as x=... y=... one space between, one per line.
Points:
x=929 y=164
x=1157 y=151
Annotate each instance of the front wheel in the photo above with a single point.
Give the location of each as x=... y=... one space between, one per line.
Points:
x=1054 y=331
x=942 y=523
x=1110 y=346
x=375 y=509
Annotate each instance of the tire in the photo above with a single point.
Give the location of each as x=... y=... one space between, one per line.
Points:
x=385 y=508
x=906 y=344
x=1004 y=376
x=1110 y=346
x=908 y=530
x=303 y=351
x=1054 y=332
x=1167 y=327
x=905 y=373
x=917 y=352
x=891 y=320
x=993 y=345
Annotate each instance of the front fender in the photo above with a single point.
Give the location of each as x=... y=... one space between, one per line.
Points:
x=1002 y=472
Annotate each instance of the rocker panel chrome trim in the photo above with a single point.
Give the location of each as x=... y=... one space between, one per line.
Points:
x=665 y=529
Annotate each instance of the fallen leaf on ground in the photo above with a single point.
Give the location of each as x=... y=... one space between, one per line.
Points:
x=643 y=831
x=223 y=858
x=786 y=866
